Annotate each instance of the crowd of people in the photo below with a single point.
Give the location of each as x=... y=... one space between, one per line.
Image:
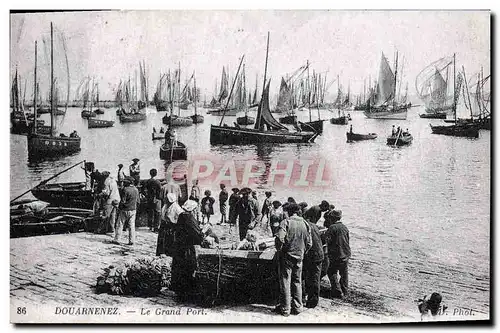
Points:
x=304 y=251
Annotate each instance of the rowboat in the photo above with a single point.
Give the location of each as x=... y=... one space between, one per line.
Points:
x=169 y=152
x=177 y=121
x=88 y=114
x=99 y=111
x=132 y=117
x=339 y=121
x=360 y=137
x=312 y=126
x=400 y=140
x=197 y=118
x=99 y=123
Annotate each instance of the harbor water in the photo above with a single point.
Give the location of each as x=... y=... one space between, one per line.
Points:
x=419 y=216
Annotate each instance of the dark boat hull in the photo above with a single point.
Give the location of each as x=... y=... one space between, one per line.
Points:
x=99 y=111
x=88 y=114
x=339 y=121
x=360 y=137
x=289 y=120
x=65 y=195
x=234 y=135
x=132 y=117
x=401 y=140
x=221 y=112
x=169 y=153
x=461 y=130
x=245 y=120
x=41 y=145
x=161 y=106
x=98 y=123
x=433 y=115
x=177 y=121
x=312 y=126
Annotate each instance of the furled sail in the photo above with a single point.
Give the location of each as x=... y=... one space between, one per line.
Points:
x=386 y=82
x=264 y=116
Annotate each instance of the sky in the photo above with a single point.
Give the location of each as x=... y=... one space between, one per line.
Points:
x=108 y=45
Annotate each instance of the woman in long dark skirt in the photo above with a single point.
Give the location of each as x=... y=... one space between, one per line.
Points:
x=187 y=235
x=166 y=235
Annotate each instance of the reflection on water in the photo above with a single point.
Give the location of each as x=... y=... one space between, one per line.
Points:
x=418 y=215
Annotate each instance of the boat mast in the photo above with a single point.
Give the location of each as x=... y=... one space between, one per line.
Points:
x=34 y=93
x=395 y=83
x=308 y=92
x=259 y=118
x=468 y=95
x=91 y=95
x=51 y=81
x=231 y=92
x=195 y=93
x=179 y=90
x=318 y=88
x=454 y=90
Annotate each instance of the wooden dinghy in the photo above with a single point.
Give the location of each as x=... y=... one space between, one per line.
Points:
x=88 y=114
x=99 y=123
x=173 y=153
x=400 y=140
x=132 y=117
x=351 y=137
x=51 y=220
x=433 y=115
x=177 y=121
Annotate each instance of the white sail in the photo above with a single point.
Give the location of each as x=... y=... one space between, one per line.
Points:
x=386 y=83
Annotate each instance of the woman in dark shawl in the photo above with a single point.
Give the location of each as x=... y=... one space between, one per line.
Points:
x=187 y=235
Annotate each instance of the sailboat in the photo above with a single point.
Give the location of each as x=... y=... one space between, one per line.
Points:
x=97 y=123
x=432 y=89
x=87 y=102
x=223 y=95
x=174 y=89
x=129 y=112
x=313 y=125
x=21 y=121
x=197 y=118
x=275 y=133
x=98 y=110
x=464 y=129
x=159 y=99
x=143 y=100
x=387 y=105
x=285 y=104
x=342 y=119
x=482 y=101
x=45 y=145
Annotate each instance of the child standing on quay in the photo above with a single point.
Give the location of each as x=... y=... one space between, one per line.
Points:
x=207 y=206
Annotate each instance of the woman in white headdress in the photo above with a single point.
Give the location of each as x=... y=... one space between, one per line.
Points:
x=187 y=234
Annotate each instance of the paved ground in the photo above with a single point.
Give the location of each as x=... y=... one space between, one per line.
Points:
x=49 y=273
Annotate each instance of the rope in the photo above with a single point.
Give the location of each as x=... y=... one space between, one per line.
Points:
x=219 y=253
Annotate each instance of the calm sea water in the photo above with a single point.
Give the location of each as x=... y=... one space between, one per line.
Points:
x=419 y=216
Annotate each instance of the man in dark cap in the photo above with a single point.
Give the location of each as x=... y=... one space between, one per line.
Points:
x=128 y=207
x=152 y=190
x=135 y=171
x=223 y=197
x=339 y=252
x=293 y=240
x=233 y=214
x=313 y=214
x=247 y=211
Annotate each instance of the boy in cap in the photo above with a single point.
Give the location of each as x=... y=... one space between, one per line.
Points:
x=223 y=197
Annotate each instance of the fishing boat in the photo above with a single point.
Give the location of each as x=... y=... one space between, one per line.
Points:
x=275 y=133
x=99 y=123
x=360 y=137
x=465 y=128
x=400 y=139
x=173 y=151
x=159 y=99
x=143 y=100
x=386 y=104
x=197 y=118
x=245 y=120
x=88 y=114
x=98 y=110
x=433 y=115
x=132 y=117
x=432 y=86
x=43 y=145
x=312 y=126
x=288 y=120
x=177 y=121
